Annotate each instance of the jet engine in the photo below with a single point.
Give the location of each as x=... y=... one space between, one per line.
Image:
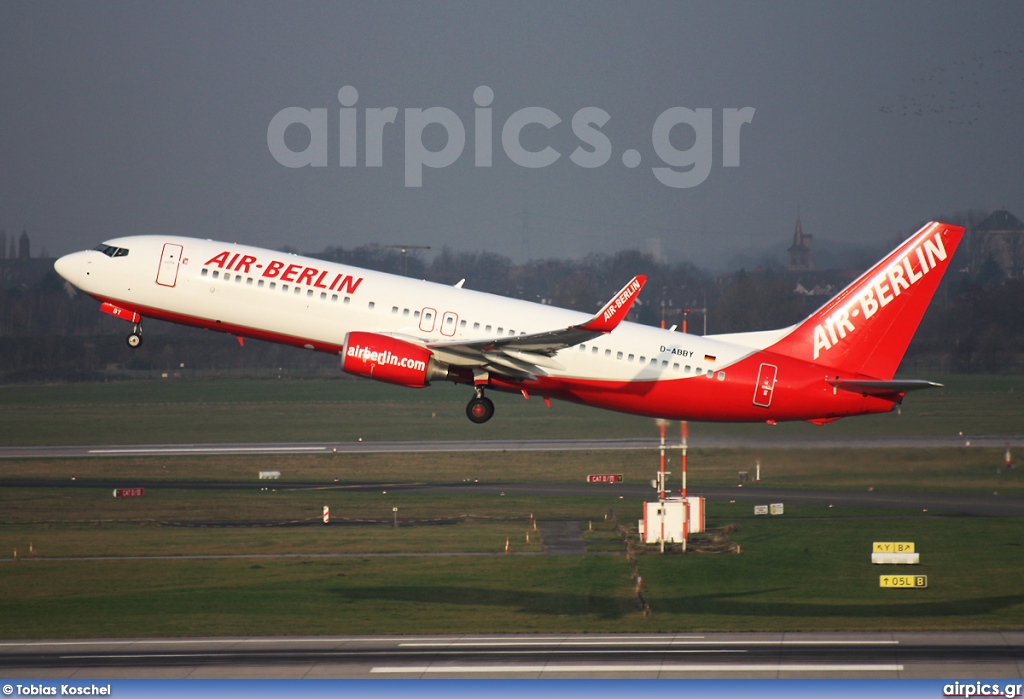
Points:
x=388 y=359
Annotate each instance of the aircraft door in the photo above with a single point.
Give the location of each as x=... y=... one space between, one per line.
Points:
x=167 y=275
x=449 y=323
x=427 y=319
x=765 y=385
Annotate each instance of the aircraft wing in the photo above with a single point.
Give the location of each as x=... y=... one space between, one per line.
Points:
x=526 y=356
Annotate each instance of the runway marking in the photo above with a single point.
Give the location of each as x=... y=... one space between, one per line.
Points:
x=667 y=642
x=198 y=641
x=208 y=450
x=214 y=655
x=509 y=669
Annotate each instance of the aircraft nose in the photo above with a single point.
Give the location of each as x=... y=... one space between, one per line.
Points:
x=70 y=267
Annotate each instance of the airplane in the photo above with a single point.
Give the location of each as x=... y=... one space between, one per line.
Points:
x=840 y=361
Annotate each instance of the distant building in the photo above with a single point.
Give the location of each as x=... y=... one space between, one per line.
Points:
x=24 y=250
x=801 y=255
x=999 y=239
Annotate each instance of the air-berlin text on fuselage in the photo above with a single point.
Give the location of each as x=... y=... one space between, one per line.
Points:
x=293 y=273
x=877 y=292
x=620 y=300
x=385 y=357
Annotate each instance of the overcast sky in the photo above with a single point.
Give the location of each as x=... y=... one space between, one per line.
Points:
x=128 y=118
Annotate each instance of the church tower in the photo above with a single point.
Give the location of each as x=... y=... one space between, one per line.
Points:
x=801 y=255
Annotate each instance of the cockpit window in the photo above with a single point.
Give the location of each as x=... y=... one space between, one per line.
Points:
x=111 y=251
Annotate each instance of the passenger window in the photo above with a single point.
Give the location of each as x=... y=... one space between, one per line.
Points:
x=630 y=358
x=721 y=376
x=501 y=331
x=205 y=272
x=711 y=372
x=593 y=350
x=371 y=305
x=284 y=288
x=248 y=281
x=607 y=353
x=347 y=300
x=334 y=297
x=462 y=324
x=686 y=368
x=643 y=359
x=309 y=293
x=259 y=283
x=487 y=328
x=476 y=326
x=216 y=274
x=405 y=311
x=273 y=285
x=618 y=355
x=675 y=366
x=394 y=309
x=238 y=278
x=323 y=295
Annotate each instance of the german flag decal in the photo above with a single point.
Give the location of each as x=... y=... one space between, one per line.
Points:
x=709 y=357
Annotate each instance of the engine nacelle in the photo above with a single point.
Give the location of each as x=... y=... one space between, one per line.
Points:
x=391 y=360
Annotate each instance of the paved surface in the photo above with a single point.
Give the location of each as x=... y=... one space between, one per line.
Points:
x=960 y=504
x=981 y=655
x=562 y=537
x=697 y=442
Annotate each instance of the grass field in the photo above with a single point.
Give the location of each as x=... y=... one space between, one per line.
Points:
x=180 y=411
x=801 y=572
x=443 y=569
x=962 y=469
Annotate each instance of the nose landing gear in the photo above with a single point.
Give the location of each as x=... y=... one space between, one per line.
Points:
x=480 y=408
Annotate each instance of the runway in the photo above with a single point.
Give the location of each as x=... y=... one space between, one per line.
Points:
x=422 y=447
x=684 y=655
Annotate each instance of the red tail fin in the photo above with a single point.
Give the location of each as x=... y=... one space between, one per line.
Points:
x=867 y=327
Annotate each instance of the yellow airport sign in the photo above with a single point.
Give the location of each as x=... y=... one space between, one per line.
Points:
x=903 y=581
x=893 y=547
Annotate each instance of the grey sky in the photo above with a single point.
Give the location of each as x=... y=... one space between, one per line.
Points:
x=126 y=118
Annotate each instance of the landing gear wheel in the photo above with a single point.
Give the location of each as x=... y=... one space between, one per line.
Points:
x=134 y=340
x=480 y=410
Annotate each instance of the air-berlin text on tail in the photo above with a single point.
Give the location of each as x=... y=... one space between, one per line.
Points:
x=281 y=271
x=629 y=292
x=878 y=291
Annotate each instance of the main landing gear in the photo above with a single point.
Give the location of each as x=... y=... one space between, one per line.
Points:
x=135 y=337
x=480 y=408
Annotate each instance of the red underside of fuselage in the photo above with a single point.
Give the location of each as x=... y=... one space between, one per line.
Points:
x=801 y=391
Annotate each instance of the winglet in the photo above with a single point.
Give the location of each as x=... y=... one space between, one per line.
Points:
x=615 y=310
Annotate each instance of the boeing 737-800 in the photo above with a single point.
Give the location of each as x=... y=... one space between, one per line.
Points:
x=838 y=362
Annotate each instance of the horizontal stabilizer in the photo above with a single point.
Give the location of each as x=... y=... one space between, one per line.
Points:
x=882 y=388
